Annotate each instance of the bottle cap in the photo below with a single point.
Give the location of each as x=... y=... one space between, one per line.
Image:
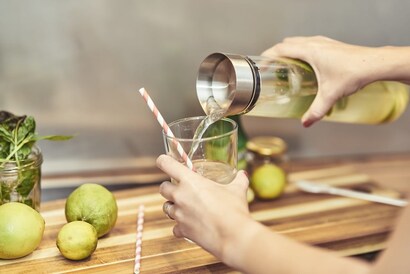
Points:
x=230 y=80
x=267 y=145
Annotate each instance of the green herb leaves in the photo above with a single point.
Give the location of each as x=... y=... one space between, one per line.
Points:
x=17 y=138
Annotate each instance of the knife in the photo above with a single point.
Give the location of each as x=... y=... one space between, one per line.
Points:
x=323 y=188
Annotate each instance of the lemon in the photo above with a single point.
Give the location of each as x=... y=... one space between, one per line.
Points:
x=268 y=181
x=77 y=240
x=93 y=204
x=21 y=230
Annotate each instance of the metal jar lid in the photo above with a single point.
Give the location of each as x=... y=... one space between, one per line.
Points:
x=267 y=145
x=230 y=80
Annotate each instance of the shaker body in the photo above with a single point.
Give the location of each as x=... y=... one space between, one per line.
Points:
x=286 y=87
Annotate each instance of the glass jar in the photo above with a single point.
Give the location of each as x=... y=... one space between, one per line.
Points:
x=266 y=150
x=21 y=181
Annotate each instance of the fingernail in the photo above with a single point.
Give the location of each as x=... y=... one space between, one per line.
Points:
x=246 y=173
x=307 y=123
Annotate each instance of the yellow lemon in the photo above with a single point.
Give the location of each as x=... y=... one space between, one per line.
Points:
x=21 y=230
x=77 y=240
x=94 y=204
x=268 y=181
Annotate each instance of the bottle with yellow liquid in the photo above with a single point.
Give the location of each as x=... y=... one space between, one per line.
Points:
x=259 y=86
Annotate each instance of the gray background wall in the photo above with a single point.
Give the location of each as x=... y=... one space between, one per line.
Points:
x=76 y=67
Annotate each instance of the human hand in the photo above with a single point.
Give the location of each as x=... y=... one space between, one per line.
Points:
x=206 y=212
x=341 y=69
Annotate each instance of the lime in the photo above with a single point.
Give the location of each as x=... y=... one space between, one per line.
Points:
x=217 y=153
x=77 y=240
x=268 y=181
x=250 y=195
x=21 y=230
x=93 y=204
x=242 y=164
x=297 y=62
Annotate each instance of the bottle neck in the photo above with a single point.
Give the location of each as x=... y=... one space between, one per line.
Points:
x=229 y=81
x=236 y=83
x=254 y=94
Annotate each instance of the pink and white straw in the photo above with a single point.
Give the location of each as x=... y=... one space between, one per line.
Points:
x=165 y=126
x=138 y=243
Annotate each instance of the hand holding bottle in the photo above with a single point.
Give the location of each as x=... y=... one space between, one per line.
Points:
x=216 y=216
x=342 y=69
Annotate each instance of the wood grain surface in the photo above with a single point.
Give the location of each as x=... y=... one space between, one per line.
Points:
x=347 y=226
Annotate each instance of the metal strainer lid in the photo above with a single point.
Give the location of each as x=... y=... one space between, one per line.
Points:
x=229 y=78
x=267 y=145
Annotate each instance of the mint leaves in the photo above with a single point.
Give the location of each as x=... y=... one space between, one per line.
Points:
x=20 y=160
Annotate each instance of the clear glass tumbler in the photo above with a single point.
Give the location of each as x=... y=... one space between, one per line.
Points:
x=216 y=154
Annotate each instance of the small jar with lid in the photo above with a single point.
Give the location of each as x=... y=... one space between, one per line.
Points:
x=267 y=156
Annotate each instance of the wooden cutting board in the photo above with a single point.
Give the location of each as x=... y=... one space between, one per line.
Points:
x=345 y=225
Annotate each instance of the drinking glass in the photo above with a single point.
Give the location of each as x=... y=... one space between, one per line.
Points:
x=215 y=154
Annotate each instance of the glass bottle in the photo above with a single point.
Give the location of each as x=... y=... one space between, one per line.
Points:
x=21 y=181
x=283 y=87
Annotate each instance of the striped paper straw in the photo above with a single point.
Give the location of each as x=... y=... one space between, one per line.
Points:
x=165 y=126
x=138 y=243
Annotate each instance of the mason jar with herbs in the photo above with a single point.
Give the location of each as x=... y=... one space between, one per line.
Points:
x=20 y=181
x=21 y=159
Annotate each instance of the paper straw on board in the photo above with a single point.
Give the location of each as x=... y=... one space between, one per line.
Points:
x=165 y=126
x=138 y=243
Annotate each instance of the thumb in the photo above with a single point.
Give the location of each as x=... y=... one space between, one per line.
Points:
x=240 y=183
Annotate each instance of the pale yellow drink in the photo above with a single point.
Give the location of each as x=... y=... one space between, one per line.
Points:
x=377 y=103
x=216 y=171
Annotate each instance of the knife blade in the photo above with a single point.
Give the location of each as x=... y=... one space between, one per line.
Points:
x=312 y=187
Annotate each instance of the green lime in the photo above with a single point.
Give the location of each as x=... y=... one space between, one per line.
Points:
x=77 y=240
x=93 y=204
x=217 y=153
x=242 y=164
x=268 y=181
x=21 y=230
x=297 y=62
x=250 y=195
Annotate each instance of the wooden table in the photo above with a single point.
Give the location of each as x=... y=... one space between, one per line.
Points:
x=347 y=226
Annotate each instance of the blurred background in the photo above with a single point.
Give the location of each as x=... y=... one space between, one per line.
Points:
x=76 y=67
